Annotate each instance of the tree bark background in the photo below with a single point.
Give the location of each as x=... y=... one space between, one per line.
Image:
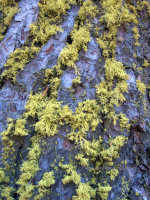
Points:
x=133 y=163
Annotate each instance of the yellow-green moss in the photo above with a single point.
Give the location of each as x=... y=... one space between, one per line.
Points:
x=3 y=178
x=69 y=55
x=76 y=81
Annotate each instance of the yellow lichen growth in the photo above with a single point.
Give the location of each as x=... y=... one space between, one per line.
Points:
x=83 y=161
x=7 y=140
x=112 y=152
x=113 y=173
x=9 y=9
x=44 y=185
x=104 y=190
x=84 y=118
x=146 y=63
x=51 y=114
x=87 y=9
x=136 y=35
x=123 y=121
x=141 y=86
x=46 y=25
x=17 y=60
x=114 y=14
x=71 y=174
x=20 y=128
x=28 y=170
x=76 y=81
x=7 y=192
x=69 y=55
x=111 y=91
x=84 y=192
x=3 y=178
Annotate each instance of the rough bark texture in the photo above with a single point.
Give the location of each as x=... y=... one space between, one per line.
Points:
x=102 y=98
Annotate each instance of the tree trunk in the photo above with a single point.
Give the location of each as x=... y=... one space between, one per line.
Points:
x=75 y=99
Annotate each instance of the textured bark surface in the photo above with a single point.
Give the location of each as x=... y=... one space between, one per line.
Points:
x=133 y=162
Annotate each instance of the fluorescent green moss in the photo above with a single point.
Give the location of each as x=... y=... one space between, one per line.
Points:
x=7 y=141
x=44 y=185
x=85 y=118
x=136 y=36
x=84 y=192
x=3 y=178
x=51 y=115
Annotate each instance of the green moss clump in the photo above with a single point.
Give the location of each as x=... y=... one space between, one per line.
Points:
x=20 y=128
x=44 y=185
x=3 y=178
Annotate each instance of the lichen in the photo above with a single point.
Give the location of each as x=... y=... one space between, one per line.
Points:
x=28 y=170
x=141 y=86
x=104 y=190
x=8 y=8
x=46 y=25
x=84 y=192
x=44 y=185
